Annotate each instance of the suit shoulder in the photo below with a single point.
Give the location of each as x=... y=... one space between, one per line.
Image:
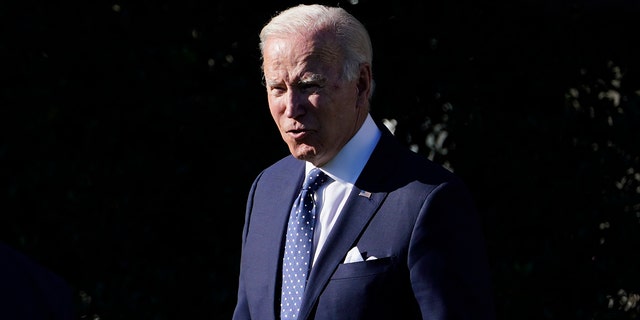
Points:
x=285 y=164
x=279 y=171
x=419 y=166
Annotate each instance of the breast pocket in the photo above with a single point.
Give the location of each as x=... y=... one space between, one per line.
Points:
x=363 y=268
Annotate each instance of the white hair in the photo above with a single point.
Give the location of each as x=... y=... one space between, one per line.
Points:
x=350 y=34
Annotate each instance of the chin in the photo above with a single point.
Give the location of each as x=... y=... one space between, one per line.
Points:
x=303 y=152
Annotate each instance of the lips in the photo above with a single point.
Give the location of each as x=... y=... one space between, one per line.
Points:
x=298 y=133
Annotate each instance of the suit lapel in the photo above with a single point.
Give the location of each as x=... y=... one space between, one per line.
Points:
x=375 y=179
x=352 y=221
x=270 y=218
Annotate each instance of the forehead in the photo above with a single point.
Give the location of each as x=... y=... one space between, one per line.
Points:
x=299 y=54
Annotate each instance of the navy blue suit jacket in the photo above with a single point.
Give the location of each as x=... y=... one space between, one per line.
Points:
x=419 y=221
x=29 y=291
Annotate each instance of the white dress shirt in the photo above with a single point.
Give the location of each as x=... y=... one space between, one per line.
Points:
x=344 y=170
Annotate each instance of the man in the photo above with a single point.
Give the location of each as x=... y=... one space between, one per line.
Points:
x=394 y=236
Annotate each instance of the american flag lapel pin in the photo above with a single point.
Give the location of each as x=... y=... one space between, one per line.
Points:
x=365 y=194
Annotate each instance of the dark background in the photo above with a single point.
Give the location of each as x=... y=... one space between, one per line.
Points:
x=131 y=131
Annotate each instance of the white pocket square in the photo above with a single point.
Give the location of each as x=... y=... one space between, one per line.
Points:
x=354 y=255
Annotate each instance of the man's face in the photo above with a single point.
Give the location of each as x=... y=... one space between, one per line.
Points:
x=315 y=110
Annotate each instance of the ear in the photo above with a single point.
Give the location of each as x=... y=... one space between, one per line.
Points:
x=365 y=80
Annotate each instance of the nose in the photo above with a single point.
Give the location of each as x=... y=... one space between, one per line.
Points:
x=294 y=104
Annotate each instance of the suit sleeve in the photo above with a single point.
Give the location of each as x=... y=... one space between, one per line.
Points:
x=241 y=311
x=447 y=258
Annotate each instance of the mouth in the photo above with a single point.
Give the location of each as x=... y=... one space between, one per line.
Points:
x=298 y=134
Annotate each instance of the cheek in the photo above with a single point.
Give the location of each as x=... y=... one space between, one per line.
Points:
x=273 y=105
x=274 y=112
x=277 y=111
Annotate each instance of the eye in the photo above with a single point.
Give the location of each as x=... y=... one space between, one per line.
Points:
x=277 y=90
x=311 y=84
x=310 y=87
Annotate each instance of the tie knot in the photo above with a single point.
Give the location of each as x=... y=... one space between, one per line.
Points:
x=314 y=179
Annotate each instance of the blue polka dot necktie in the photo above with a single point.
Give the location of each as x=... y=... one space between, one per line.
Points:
x=296 y=263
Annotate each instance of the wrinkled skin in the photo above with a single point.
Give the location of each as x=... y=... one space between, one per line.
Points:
x=315 y=109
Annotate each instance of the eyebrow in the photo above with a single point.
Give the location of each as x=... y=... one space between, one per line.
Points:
x=312 y=78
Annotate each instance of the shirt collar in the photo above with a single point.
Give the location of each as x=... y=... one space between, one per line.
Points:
x=349 y=162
